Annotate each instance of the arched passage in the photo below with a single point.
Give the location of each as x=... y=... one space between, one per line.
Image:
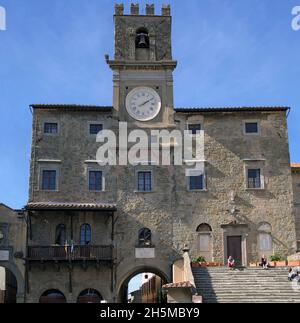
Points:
x=151 y=284
x=52 y=296
x=90 y=296
x=8 y=286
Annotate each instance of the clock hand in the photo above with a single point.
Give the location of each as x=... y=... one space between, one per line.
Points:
x=145 y=102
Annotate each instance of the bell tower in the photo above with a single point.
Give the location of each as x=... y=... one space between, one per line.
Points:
x=143 y=66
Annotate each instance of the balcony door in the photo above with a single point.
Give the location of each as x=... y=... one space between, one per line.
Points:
x=85 y=240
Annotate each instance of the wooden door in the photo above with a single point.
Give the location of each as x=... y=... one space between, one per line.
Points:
x=234 y=249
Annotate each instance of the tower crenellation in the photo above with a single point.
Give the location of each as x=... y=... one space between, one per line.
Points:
x=150 y=10
x=166 y=10
x=135 y=10
x=119 y=9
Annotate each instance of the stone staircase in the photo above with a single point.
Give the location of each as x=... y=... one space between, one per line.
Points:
x=245 y=285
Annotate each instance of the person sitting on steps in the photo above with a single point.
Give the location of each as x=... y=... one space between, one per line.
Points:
x=293 y=274
x=264 y=262
x=231 y=263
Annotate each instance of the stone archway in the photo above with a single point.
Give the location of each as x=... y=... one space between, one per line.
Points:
x=123 y=286
x=13 y=269
x=8 y=286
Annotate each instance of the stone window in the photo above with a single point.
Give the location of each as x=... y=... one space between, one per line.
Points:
x=145 y=237
x=265 y=241
x=196 y=183
x=50 y=128
x=251 y=127
x=204 y=231
x=194 y=128
x=254 y=178
x=144 y=181
x=95 y=128
x=85 y=234
x=61 y=235
x=265 y=237
x=95 y=181
x=298 y=246
x=49 y=180
x=142 y=38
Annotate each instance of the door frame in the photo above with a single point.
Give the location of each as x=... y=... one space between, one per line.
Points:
x=231 y=230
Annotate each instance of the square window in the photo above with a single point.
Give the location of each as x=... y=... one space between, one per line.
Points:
x=144 y=181
x=95 y=181
x=194 y=128
x=49 y=180
x=251 y=128
x=196 y=183
x=50 y=128
x=95 y=128
x=254 y=178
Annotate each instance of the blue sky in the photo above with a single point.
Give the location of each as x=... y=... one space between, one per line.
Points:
x=230 y=53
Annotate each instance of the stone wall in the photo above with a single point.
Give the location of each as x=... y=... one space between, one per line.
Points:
x=171 y=211
x=13 y=246
x=296 y=186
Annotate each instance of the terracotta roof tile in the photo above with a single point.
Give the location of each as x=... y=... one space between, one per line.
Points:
x=231 y=109
x=71 y=206
x=295 y=165
x=71 y=107
x=179 y=285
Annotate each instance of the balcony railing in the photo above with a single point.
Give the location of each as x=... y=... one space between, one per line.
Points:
x=70 y=253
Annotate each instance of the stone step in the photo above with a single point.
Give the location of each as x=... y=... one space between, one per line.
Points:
x=220 y=285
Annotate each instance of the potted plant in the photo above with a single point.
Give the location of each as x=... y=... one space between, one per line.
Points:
x=198 y=262
x=294 y=263
x=253 y=264
x=277 y=261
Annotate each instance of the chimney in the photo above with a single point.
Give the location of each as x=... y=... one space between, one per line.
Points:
x=119 y=9
x=135 y=9
x=166 y=10
x=150 y=9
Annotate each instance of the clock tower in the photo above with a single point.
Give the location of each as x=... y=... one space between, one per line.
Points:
x=143 y=67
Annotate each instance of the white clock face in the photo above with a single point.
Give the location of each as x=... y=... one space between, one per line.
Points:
x=143 y=104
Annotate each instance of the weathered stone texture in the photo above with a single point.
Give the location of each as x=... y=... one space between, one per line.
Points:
x=14 y=228
x=296 y=186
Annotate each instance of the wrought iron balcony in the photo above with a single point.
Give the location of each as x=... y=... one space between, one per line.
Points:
x=70 y=253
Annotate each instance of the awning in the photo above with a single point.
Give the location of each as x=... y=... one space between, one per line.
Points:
x=54 y=206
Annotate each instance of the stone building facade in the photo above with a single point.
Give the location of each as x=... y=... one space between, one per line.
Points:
x=92 y=227
x=12 y=253
x=296 y=189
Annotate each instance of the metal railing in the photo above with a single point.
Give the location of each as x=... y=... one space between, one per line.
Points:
x=60 y=253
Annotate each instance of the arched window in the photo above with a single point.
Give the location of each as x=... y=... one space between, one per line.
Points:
x=89 y=296
x=265 y=236
x=145 y=237
x=60 y=235
x=142 y=38
x=53 y=296
x=204 y=227
x=85 y=234
x=204 y=231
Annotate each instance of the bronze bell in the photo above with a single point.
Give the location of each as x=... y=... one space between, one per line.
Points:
x=142 y=43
